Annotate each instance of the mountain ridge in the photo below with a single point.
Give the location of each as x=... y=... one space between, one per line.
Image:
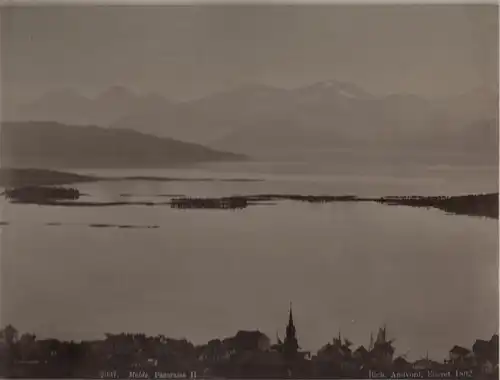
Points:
x=254 y=119
x=56 y=145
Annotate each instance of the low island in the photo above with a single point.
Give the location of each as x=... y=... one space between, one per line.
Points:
x=39 y=186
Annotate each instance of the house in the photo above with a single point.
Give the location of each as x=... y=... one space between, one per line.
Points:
x=48 y=347
x=361 y=354
x=306 y=355
x=215 y=351
x=486 y=350
x=152 y=362
x=487 y=367
x=333 y=352
x=382 y=354
x=425 y=363
x=248 y=341
x=459 y=354
x=481 y=347
x=401 y=364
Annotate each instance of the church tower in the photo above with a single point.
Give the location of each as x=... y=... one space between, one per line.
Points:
x=290 y=344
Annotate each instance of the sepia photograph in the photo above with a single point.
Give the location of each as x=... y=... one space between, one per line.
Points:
x=249 y=191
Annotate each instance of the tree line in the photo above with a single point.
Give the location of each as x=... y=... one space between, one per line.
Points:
x=246 y=354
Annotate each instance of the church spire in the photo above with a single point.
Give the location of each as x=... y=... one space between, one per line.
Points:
x=290 y=329
x=290 y=343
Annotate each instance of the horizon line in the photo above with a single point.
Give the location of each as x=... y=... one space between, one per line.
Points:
x=42 y=3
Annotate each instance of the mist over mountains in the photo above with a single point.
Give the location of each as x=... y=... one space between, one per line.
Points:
x=264 y=121
x=68 y=106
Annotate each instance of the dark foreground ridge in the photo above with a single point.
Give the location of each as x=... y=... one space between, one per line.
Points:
x=247 y=354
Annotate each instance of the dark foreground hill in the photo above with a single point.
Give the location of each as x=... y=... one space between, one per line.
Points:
x=55 y=145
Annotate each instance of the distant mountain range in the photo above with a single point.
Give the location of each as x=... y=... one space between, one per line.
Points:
x=67 y=106
x=55 y=145
x=265 y=121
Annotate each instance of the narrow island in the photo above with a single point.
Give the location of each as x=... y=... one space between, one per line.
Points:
x=22 y=177
x=39 y=186
x=19 y=177
x=41 y=194
x=484 y=205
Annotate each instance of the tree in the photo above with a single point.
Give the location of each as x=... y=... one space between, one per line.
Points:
x=10 y=335
x=27 y=345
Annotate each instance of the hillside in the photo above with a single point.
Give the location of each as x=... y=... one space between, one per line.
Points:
x=38 y=177
x=54 y=145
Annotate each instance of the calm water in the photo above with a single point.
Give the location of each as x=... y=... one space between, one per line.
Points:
x=431 y=277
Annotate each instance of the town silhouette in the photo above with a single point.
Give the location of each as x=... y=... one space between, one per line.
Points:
x=248 y=354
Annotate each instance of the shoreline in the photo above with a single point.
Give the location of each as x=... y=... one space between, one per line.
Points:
x=13 y=177
x=478 y=205
x=481 y=205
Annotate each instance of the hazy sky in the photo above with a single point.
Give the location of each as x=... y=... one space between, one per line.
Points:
x=185 y=52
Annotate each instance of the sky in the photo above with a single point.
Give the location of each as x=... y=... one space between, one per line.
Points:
x=186 y=52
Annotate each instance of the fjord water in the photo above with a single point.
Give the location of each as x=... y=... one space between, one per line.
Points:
x=431 y=277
